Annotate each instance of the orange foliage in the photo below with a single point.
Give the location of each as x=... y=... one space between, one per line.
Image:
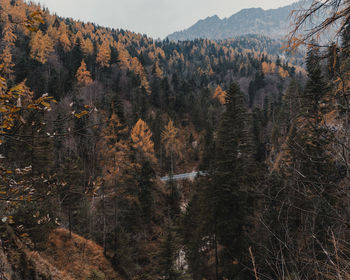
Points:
x=6 y=61
x=63 y=37
x=104 y=54
x=158 y=72
x=87 y=47
x=141 y=137
x=171 y=141
x=220 y=94
x=8 y=36
x=283 y=73
x=83 y=75
x=40 y=47
x=114 y=151
x=77 y=257
x=268 y=68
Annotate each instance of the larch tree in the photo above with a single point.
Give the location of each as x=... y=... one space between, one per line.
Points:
x=64 y=37
x=219 y=94
x=6 y=61
x=87 y=47
x=104 y=54
x=8 y=37
x=83 y=75
x=41 y=46
x=172 y=143
x=141 y=137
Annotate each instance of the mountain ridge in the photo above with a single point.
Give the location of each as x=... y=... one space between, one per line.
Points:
x=272 y=22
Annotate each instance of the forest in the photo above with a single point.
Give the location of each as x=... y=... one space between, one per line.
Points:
x=92 y=119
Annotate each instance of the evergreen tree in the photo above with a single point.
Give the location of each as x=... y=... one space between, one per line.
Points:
x=233 y=185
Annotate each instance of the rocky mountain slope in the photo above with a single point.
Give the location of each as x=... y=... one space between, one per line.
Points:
x=273 y=23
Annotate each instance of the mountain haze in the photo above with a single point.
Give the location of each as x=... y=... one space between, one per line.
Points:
x=273 y=23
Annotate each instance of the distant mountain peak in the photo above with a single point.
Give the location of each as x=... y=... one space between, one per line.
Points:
x=273 y=23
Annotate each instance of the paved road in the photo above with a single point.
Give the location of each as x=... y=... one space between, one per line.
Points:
x=184 y=176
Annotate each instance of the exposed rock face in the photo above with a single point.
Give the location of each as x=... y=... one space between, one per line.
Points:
x=274 y=23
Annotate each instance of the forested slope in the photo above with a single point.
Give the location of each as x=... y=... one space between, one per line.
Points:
x=92 y=117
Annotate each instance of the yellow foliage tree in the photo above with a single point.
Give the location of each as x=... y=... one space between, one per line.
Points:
x=171 y=142
x=220 y=94
x=268 y=68
x=283 y=73
x=6 y=61
x=114 y=150
x=87 y=47
x=64 y=38
x=141 y=137
x=158 y=71
x=9 y=38
x=83 y=75
x=53 y=33
x=40 y=47
x=104 y=54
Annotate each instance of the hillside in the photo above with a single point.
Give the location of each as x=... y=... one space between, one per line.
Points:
x=93 y=117
x=64 y=258
x=274 y=23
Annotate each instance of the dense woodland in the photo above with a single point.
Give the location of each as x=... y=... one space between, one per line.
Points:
x=92 y=117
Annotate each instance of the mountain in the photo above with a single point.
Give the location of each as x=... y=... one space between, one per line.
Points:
x=273 y=23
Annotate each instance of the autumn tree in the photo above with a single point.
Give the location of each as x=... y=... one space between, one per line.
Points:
x=64 y=37
x=6 y=61
x=336 y=16
x=87 y=47
x=83 y=75
x=41 y=47
x=219 y=94
x=8 y=36
x=172 y=143
x=104 y=54
x=141 y=137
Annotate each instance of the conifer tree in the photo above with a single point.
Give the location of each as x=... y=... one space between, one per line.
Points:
x=234 y=180
x=87 y=47
x=171 y=142
x=104 y=54
x=219 y=94
x=142 y=140
x=83 y=75
x=308 y=177
x=40 y=47
x=6 y=61
x=64 y=38
x=312 y=168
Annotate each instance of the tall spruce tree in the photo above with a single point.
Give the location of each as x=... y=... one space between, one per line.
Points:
x=232 y=192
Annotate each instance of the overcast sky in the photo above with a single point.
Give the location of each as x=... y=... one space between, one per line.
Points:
x=156 y=18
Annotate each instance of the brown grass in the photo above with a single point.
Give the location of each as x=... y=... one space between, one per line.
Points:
x=76 y=257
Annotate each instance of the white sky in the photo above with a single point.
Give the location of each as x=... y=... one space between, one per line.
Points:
x=156 y=18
